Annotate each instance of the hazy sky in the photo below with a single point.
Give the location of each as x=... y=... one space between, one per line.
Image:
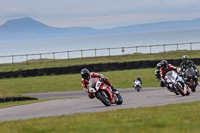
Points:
x=99 y=13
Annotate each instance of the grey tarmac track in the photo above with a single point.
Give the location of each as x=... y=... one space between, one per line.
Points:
x=132 y=99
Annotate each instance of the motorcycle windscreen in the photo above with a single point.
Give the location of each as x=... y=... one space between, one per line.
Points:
x=169 y=74
x=190 y=72
x=137 y=81
x=92 y=82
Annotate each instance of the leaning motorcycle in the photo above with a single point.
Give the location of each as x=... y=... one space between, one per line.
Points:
x=137 y=85
x=176 y=83
x=104 y=92
x=190 y=78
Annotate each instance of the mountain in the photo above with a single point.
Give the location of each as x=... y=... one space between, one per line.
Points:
x=27 y=28
x=23 y=25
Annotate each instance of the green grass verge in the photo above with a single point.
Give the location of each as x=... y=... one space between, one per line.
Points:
x=16 y=103
x=170 y=118
x=8 y=93
x=72 y=82
x=69 y=62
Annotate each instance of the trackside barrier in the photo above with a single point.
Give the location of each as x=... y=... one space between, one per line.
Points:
x=99 y=67
x=8 y=99
x=53 y=56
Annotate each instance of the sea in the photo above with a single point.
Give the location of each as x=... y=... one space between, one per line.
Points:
x=102 y=45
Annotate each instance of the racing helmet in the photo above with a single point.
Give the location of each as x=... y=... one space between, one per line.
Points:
x=138 y=78
x=85 y=73
x=164 y=64
x=185 y=58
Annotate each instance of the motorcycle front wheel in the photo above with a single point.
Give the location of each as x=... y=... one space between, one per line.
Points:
x=120 y=99
x=192 y=85
x=179 y=87
x=138 y=88
x=103 y=97
x=187 y=93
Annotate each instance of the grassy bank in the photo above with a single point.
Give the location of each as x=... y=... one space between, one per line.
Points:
x=17 y=103
x=69 y=62
x=171 y=118
x=8 y=93
x=72 y=82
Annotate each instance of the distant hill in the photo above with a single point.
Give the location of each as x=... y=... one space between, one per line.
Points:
x=160 y=26
x=27 y=28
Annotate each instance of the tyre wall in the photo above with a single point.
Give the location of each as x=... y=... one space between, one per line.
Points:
x=8 y=99
x=99 y=67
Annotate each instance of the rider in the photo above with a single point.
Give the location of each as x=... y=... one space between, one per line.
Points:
x=157 y=72
x=165 y=67
x=86 y=75
x=186 y=63
x=139 y=79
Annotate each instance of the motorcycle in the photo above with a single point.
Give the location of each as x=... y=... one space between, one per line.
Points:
x=104 y=92
x=137 y=85
x=190 y=78
x=176 y=84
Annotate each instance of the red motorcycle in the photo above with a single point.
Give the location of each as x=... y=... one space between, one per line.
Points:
x=104 y=92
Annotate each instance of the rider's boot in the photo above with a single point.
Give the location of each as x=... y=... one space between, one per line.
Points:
x=115 y=91
x=198 y=82
x=176 y=93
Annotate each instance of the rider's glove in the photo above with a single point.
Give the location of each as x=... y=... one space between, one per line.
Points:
x=91 y=90
x=86 y=90
x=182 y=73
x=197 y=72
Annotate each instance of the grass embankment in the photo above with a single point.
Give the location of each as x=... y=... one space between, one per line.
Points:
x=16 y=103
x=171 y=118
x=72 y=82
x=8 y=93
x=122 y=58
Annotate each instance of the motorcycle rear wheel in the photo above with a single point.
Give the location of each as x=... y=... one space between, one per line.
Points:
x=103 y=98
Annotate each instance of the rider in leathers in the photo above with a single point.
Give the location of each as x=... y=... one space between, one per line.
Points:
x=139 y=79
x=165 y=67
x=157 y=72
x=188 y=64
x=86 y=75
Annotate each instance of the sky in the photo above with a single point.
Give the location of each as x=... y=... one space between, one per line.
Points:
x=100 y=14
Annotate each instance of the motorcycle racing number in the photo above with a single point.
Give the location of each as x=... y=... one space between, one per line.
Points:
x=98 y=85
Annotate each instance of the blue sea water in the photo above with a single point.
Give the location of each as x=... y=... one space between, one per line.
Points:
x=96 y=42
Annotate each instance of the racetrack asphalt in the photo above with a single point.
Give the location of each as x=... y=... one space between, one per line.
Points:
x=154 y=96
